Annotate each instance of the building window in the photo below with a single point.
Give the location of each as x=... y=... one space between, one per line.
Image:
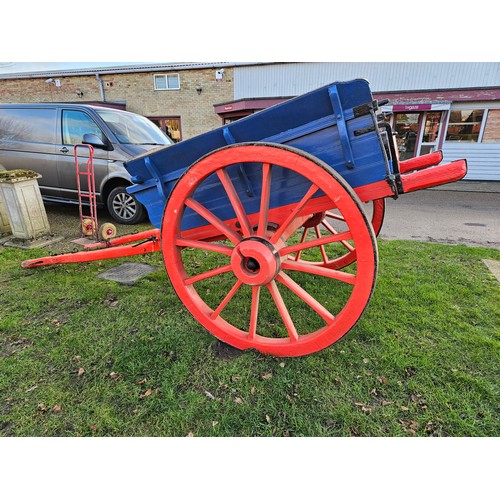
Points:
x=464 y=125
x=170 y=125
x=167 y=82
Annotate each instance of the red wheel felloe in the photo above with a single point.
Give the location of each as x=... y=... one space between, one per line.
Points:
x=247 y=289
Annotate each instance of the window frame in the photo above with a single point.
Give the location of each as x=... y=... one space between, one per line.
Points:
x=166 y=75
x=466 y=107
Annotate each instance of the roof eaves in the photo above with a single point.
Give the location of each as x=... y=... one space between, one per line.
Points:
x=124 y=69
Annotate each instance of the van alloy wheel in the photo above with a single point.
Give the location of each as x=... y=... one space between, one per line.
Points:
x=123 y=207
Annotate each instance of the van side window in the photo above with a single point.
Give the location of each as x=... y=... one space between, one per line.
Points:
x=77 y=123
x=28 y=125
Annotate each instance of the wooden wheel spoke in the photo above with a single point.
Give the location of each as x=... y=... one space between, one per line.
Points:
x=324 y=240
x=226 y=300
x=264 y=200
x=348 y=246
x=306 y=297
x=334 y=231
x=331 y=215
x=235 y=202
x=329 y=227
x=232 y=235
x=306 y=267
x=302 y=239
x=321 y=247
x=293 y=215
x=254 y=312
x=282 y=309
x=204 y=245
x=208 y=274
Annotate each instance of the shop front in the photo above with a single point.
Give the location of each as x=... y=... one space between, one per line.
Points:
x=418 y=128
x=461 y=123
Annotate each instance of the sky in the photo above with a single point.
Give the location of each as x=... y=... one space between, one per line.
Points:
x=316 y=32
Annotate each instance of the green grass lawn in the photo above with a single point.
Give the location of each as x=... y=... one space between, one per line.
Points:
x=81 y=356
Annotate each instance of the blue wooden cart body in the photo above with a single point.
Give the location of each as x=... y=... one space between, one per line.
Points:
x=335 y=123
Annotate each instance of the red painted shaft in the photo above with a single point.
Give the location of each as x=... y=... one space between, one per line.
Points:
x=420 y=162
x=88 y=256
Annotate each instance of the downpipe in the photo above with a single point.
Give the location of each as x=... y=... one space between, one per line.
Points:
x=101 y=86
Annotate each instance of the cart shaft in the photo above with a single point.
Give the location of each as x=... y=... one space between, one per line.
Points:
x=415 y=180
x=114 y=252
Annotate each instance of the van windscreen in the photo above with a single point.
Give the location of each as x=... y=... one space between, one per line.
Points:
x=130 y=128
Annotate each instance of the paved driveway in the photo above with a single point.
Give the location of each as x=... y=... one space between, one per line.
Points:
x=469 y=218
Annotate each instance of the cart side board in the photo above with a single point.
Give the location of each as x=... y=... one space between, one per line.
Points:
x=335 y=123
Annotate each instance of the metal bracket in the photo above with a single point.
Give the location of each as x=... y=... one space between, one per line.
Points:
x=228 y=137
x=341 y=126
x=162 y=190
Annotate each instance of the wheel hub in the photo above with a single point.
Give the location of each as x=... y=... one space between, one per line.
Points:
x=255 y=261
x=314 y=220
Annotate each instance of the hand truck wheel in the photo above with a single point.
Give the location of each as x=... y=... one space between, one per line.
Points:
x=107 y=231
x=87 y=227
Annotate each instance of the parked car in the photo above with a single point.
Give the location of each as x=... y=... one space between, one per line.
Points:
x=42 y=136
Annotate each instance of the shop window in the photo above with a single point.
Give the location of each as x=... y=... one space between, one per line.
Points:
x=171 y=125
x=464 y=125
x=231 y=119
x=167 y=82
x=406 y=126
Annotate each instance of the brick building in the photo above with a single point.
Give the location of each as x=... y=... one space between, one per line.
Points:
x=178 y=97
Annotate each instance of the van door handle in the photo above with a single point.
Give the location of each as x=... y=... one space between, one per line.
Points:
x=64 y=149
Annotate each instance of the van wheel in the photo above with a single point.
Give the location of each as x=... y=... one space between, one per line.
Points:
x=124 y=207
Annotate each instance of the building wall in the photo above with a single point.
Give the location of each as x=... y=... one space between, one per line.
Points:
x=492 y=128
x=37 y=90
x=195 y=110
x=483 y=160
x=290 y=79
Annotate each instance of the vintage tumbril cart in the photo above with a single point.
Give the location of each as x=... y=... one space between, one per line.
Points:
x=256 y=218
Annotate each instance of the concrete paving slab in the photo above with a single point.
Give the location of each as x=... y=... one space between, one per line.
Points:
x=43 y=241
x=127 y=273
x=494 y=267
x=83 y=241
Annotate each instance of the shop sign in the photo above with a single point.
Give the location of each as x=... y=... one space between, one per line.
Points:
x=412 y=107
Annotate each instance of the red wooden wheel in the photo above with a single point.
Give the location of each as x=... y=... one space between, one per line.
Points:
x=339 y=254
x=245 y=289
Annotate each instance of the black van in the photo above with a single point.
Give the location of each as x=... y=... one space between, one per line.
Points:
x=41 y=137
